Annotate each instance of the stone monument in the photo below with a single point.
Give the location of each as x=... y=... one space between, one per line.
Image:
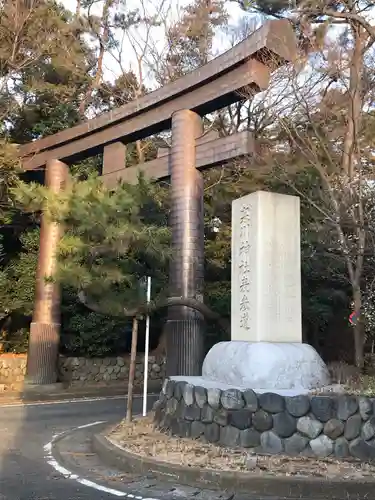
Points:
x=260 y=390
x=266 y=270
x=266 y=352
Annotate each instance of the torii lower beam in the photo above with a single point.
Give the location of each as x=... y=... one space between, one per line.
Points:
x=210 y=151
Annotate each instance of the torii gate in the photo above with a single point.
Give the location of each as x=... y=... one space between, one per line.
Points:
x=178 y=105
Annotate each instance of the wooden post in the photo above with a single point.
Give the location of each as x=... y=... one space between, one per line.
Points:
x=114 y=158
x=133 y=360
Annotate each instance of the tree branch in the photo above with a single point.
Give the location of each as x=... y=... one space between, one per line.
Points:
x=151 y=308
x=348 y=16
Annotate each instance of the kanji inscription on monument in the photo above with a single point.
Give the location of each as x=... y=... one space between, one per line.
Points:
x=266 y=280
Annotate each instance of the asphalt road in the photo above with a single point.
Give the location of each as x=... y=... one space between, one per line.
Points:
x=24 y=431
x=38 y=442
x=30 y=470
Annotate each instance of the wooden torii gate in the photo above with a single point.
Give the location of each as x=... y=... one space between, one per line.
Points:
x=180 y=106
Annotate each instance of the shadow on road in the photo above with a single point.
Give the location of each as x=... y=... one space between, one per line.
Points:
x=27 y=426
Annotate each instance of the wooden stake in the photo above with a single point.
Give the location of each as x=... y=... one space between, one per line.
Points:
x=133 y=359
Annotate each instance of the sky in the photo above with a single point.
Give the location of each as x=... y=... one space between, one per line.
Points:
x=112 y=68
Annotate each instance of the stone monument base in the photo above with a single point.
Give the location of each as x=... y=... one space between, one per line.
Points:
x=262 y=396
x=338 y=425
x=284 y=368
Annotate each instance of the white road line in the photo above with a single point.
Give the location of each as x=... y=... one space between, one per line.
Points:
x=85 y=482
x=67 y=401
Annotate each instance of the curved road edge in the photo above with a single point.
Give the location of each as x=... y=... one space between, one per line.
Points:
x=55 y=459
x=71 y=455
x=236 y=482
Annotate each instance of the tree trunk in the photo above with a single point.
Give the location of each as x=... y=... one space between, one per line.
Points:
x=350 y=150
x=133 y=359
x=359 y=339
x=103 y=40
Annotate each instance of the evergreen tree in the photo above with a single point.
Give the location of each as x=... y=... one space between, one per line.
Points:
x=112 y=240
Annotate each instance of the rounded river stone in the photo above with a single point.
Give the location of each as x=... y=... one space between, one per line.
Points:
x=353 y=427
x=164 y=386
x=169 y=390
x=207 y=414
x=184 y=428
x=213 y=397
x=171 y=406
x=341 y=448
x=368 y=429
x=251 y=400
x=221 y=416
x=296 y=444
x=232 y=399
x=346 y=406
x=188 y=394
x=262 y=421
x=200 y=396
x=323 y=408
x=196 y=429
x=249 y=438
x=298 y=406
x=322 y=446
x=229 y=436
x=365 y=407
x=240 y=418
x=284 y=425
x=271 y=443
x=334 y=428
x=362 y=450
x=309 y=427
x=212 y=433
x=192 y=413
x=273 y=403
x=179 y=389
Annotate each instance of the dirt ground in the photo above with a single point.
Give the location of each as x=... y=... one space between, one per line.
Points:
x=141 y=438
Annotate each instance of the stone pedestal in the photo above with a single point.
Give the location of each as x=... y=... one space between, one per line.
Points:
x=266 y=366
x=266 y=280
x=266 y=353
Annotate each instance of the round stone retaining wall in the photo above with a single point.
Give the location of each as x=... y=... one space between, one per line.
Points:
x=331 y=425
x=82 y=371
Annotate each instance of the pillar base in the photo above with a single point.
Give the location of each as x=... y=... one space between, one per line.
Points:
x=185 y=346
x=43 y=352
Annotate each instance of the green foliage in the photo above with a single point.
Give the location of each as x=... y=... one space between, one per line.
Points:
x=44 y=66
x=190 y=40
x=17 y=292
x=86 y=333
x=111 y=241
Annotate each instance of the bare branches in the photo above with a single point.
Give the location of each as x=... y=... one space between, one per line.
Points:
x=348 y=17
x=103 y=38
x=324 y=133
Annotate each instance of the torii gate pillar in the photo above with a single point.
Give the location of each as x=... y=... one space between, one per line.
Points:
x=45 y=327
x=185 y=327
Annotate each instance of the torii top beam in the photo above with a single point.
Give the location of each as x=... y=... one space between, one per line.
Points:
x=206 y=89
